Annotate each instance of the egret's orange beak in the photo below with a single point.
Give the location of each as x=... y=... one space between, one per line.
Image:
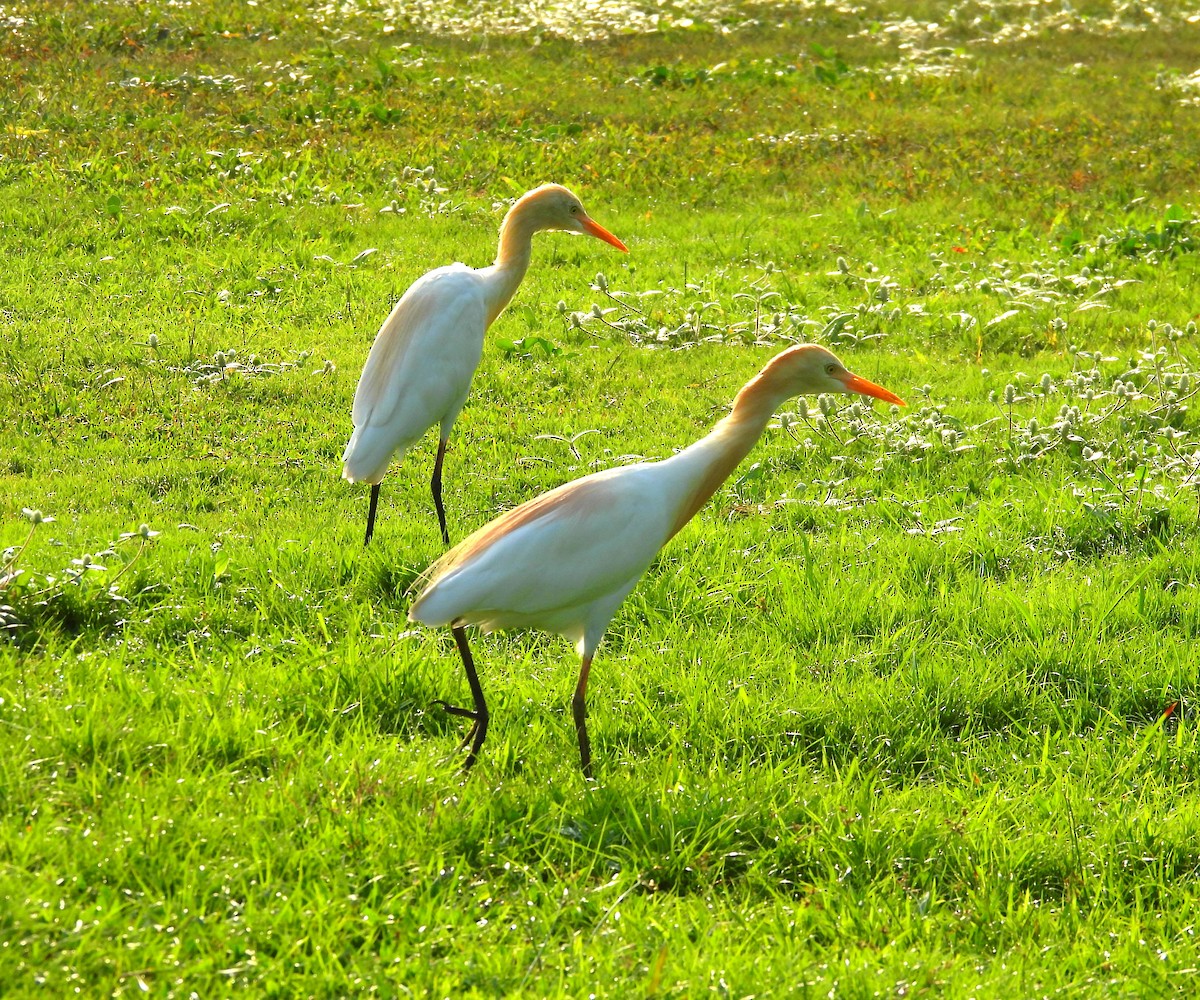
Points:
x=597 y=230
x=856 y=383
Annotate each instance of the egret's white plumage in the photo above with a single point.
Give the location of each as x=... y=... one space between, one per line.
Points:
x=418 y=373
x=565 y=560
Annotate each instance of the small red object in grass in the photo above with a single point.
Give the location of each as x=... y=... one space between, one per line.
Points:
x=1170 y=708
x=960 y=249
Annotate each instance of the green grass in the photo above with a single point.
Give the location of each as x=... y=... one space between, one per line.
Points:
x=908 y=710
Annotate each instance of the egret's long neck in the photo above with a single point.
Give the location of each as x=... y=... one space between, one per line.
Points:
x=705 y=465
x=512 y=260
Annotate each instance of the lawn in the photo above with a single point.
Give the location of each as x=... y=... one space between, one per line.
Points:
x=909 y=709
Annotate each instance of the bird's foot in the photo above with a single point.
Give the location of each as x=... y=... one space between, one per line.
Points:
x=466 y=713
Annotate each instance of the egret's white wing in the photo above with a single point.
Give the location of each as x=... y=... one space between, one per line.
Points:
x=563 y=549
x=428 y=348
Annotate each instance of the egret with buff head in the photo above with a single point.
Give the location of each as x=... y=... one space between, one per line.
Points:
x=564 y=561
x=418 y=373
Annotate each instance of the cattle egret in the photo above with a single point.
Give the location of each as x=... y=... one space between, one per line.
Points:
x=418 y=373
x=565 y=560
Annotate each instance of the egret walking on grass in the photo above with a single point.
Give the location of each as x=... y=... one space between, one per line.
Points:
x=418 y=373
x=565 y=560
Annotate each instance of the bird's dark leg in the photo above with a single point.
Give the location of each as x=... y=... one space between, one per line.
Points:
x=435 y=487
x=371 y=513
x=579 y=710
x=479 y=714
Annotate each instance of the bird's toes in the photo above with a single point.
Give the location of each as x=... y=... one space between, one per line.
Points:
x=466 y=713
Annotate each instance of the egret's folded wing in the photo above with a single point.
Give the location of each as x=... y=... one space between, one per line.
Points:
x=563 y=548
x=432 y=339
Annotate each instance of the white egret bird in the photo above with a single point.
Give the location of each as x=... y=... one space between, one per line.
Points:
x=419 y=371
x=565 y=560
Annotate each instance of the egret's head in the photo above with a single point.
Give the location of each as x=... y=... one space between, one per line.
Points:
x=809 y=369
x=552 y=206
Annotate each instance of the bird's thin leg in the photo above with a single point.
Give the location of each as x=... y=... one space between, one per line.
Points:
x=579 y=710
x=435 y=487
x=371 y=513
x=479 y=714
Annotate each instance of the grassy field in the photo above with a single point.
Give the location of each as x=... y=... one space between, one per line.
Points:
x=910 y=709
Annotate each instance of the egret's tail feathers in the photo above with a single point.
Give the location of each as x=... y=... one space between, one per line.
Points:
x=436 y=604
x=366 y=458
x=428 y=612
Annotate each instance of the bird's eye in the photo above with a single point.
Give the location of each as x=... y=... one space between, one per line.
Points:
x=574 y=209
x=830 y=368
